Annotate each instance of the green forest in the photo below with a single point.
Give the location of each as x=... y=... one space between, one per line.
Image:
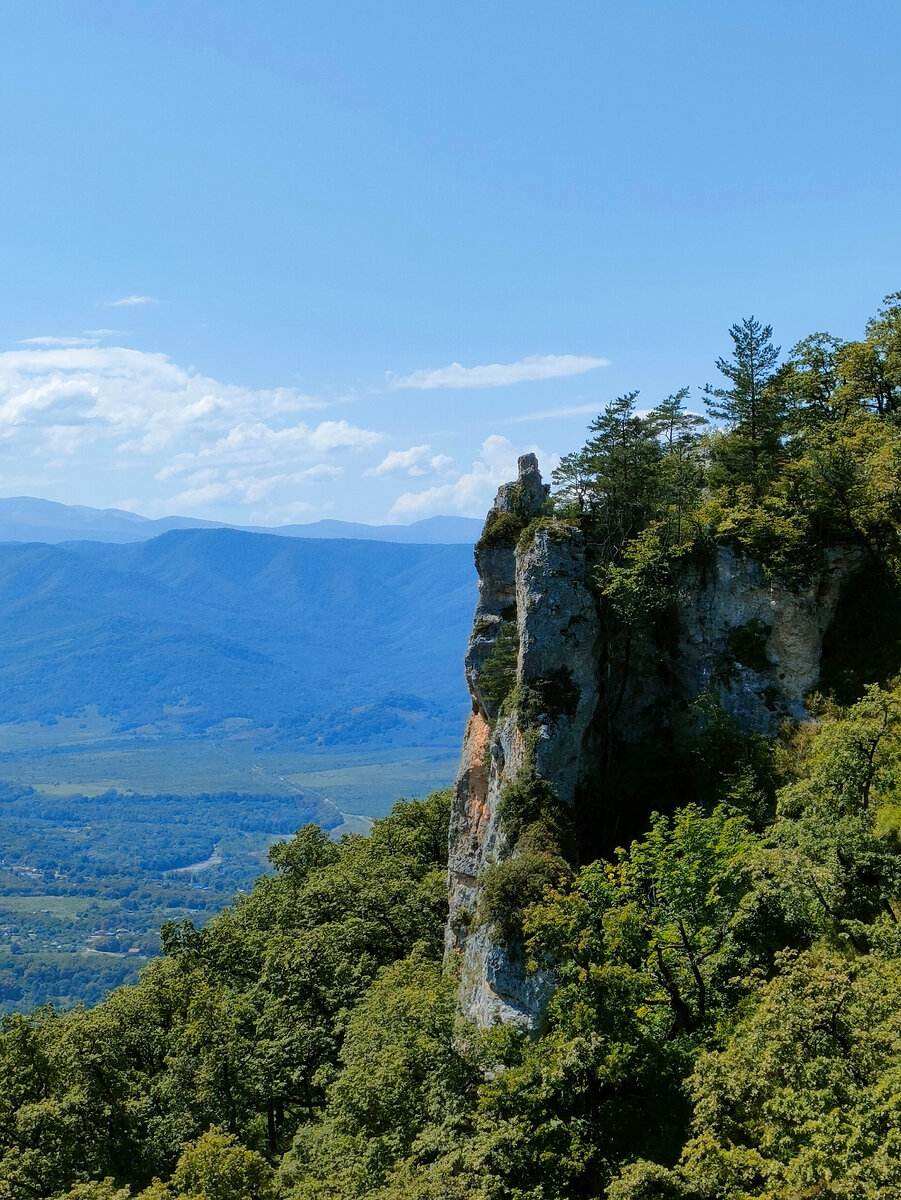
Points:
x=726 y=1020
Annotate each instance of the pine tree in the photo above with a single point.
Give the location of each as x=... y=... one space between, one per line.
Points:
x=755 y=406
x=679 y=474
x=621 y=455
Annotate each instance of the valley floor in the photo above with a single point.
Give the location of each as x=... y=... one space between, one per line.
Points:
x=104 y=838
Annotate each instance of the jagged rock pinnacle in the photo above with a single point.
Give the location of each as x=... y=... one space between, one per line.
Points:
x=527 y=494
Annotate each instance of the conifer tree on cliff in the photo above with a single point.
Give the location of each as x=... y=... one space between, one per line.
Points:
x=612 y=478
x=754 y=407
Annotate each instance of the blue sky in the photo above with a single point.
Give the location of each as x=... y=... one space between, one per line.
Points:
x=258 y=256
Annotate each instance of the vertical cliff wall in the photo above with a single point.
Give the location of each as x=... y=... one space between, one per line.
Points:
x=573 y=699
x=537 y=582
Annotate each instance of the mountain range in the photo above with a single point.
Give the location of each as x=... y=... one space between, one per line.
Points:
x=28 y=519
x=199 y=630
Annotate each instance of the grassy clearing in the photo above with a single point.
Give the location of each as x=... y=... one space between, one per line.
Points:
x=370 y=789
x=62 y=908
x=64 y=731
x=359 y=781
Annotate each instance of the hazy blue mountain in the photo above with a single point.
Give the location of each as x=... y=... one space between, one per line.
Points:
x=317 y=639
x=432 y=530
x=27 y=519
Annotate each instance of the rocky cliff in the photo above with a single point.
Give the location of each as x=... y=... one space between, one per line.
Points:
x=557 y=706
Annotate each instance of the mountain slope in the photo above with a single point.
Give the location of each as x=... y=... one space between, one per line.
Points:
x=29 y=519
x=195 y=627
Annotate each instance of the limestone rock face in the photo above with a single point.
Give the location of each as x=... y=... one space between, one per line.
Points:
x=558 y=653
x=734 y=596
x=542 y=587
x=752 y=643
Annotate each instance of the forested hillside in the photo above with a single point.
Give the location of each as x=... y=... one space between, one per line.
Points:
x=197 y=627
x=726 y=1014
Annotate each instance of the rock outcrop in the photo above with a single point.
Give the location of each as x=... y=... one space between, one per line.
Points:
x=733 y=613
x=751 y=643
x=540 y=584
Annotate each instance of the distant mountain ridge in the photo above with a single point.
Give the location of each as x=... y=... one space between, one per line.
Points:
x=29 y=519
x=309 y=641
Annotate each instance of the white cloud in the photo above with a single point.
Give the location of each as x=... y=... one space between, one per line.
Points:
x=471 y=495
x=90 y=417
x=418 y=460
x=58 y=341
x=196 y=497
x=548 y=366
x=94 y=410
x=242 y=485
x=258 y=442
x=250 y=487
x=321 y=473
x=572 y=410
x=113 y=392
x=130 y=301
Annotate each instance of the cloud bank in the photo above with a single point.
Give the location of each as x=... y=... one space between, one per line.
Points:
x=418 y=460
x=129 y=429
x=472 y=494
x=83 y=410
x=527 y=370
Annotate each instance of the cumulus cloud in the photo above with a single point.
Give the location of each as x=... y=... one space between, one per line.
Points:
x=527 y=370
x=129 y=301
x=258 y=442
x=113 y=392
x=112 y=408
x=472 y=493
x=87 y=418
x=418 y=460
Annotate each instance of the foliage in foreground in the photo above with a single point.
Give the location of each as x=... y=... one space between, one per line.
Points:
x=236 y=1027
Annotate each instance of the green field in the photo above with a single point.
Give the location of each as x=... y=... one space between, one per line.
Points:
x=359 y=781
x=60 y=908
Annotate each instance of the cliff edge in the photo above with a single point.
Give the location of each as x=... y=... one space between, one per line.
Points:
x=562 y=711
